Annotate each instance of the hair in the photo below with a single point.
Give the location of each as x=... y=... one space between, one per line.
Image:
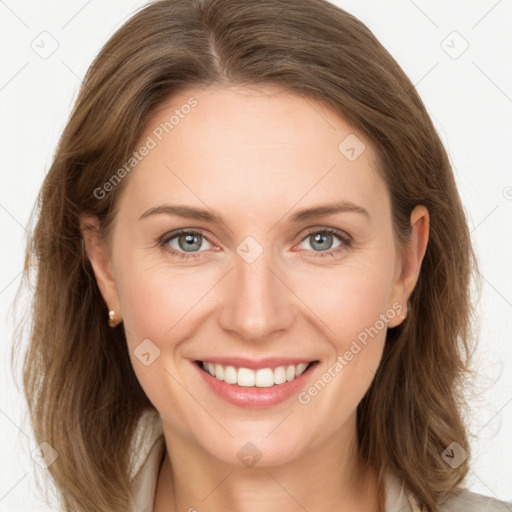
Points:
x=83 y=396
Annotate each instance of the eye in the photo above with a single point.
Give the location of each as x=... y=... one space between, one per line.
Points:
x=186 y=244
x=321 y=242
x=183 y=243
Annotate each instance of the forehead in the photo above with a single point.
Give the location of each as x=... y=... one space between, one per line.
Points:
x=251 y=148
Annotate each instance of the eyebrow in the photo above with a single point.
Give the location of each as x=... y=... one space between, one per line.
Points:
x=189 y=212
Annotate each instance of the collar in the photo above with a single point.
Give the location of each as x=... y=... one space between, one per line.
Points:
x=147 y=450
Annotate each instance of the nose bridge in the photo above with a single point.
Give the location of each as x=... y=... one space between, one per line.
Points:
x=256 y=302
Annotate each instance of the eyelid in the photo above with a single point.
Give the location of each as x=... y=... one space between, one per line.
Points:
x=344 y=238
x=327 y=229
x=170 y=235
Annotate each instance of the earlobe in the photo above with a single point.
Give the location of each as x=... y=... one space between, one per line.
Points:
x=97 y=253
x=400 y=313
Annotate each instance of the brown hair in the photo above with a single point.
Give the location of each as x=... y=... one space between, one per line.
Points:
x=84 y=398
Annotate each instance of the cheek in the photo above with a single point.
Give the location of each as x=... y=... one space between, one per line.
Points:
x=156 y=303
x=162 y=306
x=156 y=296
x=355 y=311
x=350 y=299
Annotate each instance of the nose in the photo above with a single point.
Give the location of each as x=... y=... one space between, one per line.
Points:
x=258 y=305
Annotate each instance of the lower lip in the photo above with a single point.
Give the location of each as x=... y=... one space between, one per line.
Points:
x=254 y=397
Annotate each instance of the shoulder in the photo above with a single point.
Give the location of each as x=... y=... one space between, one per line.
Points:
x=463 y=500
x=399 y=498
x=146 y=454
x=147 y=432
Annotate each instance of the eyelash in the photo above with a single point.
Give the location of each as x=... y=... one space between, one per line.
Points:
x=344 y=238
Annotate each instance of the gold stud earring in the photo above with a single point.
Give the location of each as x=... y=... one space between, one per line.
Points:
x=111 y=318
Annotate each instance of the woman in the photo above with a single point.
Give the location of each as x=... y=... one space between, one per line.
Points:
x=193 y=346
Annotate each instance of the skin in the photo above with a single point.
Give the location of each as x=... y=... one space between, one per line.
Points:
x=256 y=157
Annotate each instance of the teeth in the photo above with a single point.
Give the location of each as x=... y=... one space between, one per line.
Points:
x=230 y=375
x=263 y=378
x=219 y=371
x=280 y=375
x=246 y=377
x=301 y=368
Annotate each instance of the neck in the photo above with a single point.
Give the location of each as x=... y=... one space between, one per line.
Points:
x=325 y=477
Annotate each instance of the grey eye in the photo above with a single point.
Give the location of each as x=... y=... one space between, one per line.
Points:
x=187 y=242
x=322 y=241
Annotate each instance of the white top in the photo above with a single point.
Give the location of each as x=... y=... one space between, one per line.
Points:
x=148 y=449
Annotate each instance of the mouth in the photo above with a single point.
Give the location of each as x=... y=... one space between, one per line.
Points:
x=264 y=377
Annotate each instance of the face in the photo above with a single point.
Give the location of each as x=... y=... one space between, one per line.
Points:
x=265 y=279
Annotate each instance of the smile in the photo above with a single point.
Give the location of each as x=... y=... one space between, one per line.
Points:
x=252 y=383
x=260 y=378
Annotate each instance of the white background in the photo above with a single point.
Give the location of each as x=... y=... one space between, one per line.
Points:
x=469 y=99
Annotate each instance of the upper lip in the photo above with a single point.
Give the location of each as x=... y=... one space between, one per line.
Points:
x=257 y=364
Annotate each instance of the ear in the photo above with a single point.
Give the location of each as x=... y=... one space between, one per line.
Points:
x=409 y=265
x=98 y=254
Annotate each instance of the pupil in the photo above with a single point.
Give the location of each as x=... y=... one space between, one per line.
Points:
x=319 y=238
x=190 y=240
